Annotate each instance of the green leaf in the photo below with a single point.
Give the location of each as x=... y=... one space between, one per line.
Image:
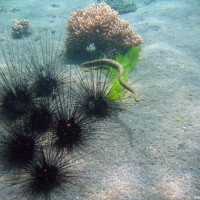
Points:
x=129 y=61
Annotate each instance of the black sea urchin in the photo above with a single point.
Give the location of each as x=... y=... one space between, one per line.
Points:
x=91 y=94
x=16 y=92
x=47 y=177
x=16 y=101
x=18 y=147
x=40 y=117
x=45 y=64
x=73 y=129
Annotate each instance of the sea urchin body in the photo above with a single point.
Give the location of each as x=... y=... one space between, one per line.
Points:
x=73 y=129
x=46 y=177
x=40 y=116
x=91 y=94
x=18 y=147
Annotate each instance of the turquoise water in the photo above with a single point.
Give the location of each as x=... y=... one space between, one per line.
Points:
x=147 y=150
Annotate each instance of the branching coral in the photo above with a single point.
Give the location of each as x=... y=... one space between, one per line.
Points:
x=101 y=26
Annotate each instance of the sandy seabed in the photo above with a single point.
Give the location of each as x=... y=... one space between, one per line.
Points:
x=153 y=151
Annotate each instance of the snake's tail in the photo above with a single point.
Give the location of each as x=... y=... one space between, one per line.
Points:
x=136 y=96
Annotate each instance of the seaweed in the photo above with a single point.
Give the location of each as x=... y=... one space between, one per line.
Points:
x=128 y=61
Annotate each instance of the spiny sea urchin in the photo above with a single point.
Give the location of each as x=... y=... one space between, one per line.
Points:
x=45 y=64
x=18 y=147
x=40 y=117
x=91 y=93
x=73 y=129
x=16 y=101
x=47 y=177
x=16 y=92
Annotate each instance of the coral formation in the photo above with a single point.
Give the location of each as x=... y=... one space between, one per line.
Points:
x=101 y=26
x=20 y=28
x=121 y=6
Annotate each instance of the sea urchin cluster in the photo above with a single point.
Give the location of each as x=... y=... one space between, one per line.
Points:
x=43 y=120
x=49 y=115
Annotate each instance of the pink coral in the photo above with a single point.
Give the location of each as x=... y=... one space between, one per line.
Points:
x=101 y=26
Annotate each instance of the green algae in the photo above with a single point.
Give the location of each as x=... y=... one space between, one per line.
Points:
x=129 y=61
